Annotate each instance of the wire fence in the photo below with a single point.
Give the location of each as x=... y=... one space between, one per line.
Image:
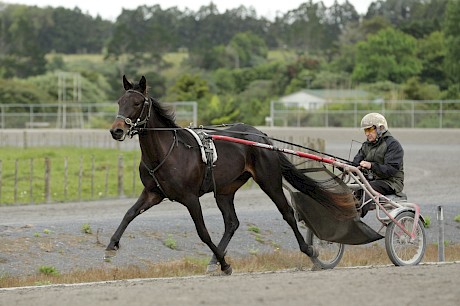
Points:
x=48 y=178
x=70 y=115
x=399 y=113
x=52 y=180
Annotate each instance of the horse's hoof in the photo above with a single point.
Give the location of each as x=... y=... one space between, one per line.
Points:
x=314 y=251
x=109 y=254
x=212 y=268
x=228 y=271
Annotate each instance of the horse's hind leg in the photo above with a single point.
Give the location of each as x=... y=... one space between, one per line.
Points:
x=227 y=208
x=278 y=197
x=145 y=201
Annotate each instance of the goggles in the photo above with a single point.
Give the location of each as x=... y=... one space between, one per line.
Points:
x=369 y=129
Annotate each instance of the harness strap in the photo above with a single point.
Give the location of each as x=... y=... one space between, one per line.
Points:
x=134 y=126
x=152 y=171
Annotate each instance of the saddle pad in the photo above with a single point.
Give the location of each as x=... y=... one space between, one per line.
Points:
x=200 y=144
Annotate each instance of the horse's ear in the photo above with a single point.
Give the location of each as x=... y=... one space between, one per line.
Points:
x=126 y=84
x=143 y=84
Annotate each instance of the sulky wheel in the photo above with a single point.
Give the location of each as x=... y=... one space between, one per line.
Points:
x=401 y=249
x=330 y=253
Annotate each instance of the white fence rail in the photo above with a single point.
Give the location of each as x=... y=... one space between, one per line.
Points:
x=400 y=113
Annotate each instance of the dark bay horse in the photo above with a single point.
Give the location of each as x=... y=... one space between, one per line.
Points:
x=171 y=167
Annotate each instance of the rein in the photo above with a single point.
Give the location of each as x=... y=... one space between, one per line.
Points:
x=214 y=128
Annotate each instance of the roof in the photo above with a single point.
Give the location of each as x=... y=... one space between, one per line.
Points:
x=315 y=97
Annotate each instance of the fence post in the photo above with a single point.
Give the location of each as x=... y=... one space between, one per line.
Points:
x=93 y=169
x=66 y=175
x=1 y=180
x=80 y=175
x=24 y=138
x=16 y=165
x=31 y=180
x=440 y=217
x=120 y=176
x=47 y=180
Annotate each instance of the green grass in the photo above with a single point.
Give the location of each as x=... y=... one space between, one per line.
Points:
x=170 y=242
x=48 y=270
x=91 y=174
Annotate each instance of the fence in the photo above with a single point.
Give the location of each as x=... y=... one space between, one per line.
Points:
x=78 y=115
x=49 y=178
x=401 y=113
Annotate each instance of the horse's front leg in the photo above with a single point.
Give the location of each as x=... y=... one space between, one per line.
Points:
x=196 y=213
x=143 y=203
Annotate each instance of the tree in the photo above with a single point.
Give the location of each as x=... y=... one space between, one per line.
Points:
x=189 y=88
x=303 y=28
x=249 y=49
x=452 y=35
x=20 y=53
x=415 y=90
x=432 y=53
x=22 y=92
x=388 y=55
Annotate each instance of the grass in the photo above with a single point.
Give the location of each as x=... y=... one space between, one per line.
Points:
x=86 y=229
x=170 y=242
x=91 y=174
x=273 y=261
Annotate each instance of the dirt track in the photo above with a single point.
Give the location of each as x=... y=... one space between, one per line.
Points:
x=432 y=165
x=377 y=286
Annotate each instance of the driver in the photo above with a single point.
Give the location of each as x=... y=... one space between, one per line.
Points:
x=382 y=155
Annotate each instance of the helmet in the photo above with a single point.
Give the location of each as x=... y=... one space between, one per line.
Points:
x=375 y=119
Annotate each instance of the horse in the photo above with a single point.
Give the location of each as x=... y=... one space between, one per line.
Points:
x=171 y=167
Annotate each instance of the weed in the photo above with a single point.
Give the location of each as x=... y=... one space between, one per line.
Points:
x=36 y=234
x=170 y=242
x=457 y=218
x=253 y=251
x=86 y=229
x=46 y=231
x=254 y=229
x=427 y=222
x=48 y=270
x=259 y=238
x=276 y=246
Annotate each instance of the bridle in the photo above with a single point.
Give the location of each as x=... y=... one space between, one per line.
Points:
x=135 y=124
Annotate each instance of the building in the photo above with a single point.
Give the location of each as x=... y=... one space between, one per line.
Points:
x=312 y=99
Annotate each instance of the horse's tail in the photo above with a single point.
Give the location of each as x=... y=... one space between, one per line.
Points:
x=340 y=201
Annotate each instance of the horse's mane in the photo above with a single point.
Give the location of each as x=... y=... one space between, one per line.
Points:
x=166 y=116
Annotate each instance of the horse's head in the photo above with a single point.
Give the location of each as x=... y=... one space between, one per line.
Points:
x=133 y=109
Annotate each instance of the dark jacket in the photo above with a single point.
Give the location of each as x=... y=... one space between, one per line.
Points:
x=386 y=156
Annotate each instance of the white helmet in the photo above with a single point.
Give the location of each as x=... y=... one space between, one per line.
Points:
x=377 y=120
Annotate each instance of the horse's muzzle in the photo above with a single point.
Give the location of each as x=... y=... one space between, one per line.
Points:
x=118 y=134
x=118 y=130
